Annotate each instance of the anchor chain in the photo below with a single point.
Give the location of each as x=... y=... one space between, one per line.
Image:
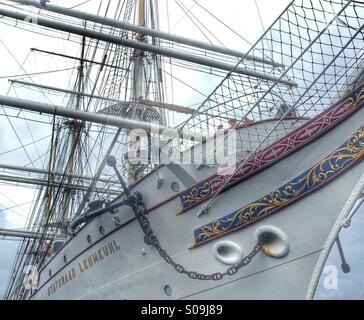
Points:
x=135 y=201
x=139 y=209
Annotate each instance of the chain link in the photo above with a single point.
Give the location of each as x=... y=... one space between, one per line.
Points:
x=151 y=239
x=135 y=201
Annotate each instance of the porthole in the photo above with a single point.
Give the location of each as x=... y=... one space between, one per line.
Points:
x=50 y=272
x=175 y=187
x=168 y=290
x=102 y=230
x=89 y=239
x=65 y=259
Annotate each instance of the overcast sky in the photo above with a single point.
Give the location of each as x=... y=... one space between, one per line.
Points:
x=16 y=59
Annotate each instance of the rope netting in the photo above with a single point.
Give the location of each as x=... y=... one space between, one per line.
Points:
x=313 y=55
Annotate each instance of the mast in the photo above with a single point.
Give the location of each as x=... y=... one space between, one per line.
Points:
x=75 y=127
x=139 y=73
x=142 y=14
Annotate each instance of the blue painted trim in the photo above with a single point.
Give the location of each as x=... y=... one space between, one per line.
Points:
x=311 y=180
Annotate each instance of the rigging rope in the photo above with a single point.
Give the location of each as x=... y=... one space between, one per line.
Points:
x=80 y=4
x=35 y=73
x=229 y=177
x=26 y=145
x=223 y=23
x=196 y=21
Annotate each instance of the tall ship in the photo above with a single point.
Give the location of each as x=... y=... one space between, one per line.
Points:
x=240 y=196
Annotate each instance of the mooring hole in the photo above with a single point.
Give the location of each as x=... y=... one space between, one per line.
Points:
x=275 y=242
x=228 y=252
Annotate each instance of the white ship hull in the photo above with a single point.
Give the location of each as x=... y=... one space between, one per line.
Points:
x=119 y=265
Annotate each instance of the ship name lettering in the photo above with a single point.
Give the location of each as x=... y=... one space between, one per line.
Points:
x=89 y=262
